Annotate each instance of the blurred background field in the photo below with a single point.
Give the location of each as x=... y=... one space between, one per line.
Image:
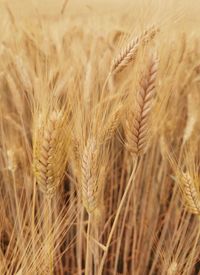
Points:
x=137 y=9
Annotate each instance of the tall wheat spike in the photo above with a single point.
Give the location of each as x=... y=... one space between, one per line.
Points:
x=89 y=179
x=50 y=152
x=190 y=193
x=128 y=54
x=137 y=122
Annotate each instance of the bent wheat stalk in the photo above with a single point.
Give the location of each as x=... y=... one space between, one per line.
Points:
x=137 y=122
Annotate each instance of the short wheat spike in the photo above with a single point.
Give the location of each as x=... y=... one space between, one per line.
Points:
x=111 y=126
x=89 y=179
x=137 y=123
x=190 y=194
x=49 y=152
x=128 y=54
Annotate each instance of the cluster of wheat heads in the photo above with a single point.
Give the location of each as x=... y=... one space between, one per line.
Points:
x=99 y=147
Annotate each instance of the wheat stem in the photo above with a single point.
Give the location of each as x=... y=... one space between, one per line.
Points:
x=88 y=254
x=126 y=192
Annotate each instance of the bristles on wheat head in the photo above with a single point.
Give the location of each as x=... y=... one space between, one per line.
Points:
x=137 y=123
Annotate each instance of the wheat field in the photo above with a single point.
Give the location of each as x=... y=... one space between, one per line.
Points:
x=99 y=137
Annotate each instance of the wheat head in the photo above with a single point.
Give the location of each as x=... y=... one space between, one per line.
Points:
x=137 y=122
x=49 y=152
x=190 y=193
x=90 y=178
x=128 y=54
x=112 y=124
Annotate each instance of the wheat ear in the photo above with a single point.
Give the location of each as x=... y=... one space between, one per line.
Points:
x=137 y=122
x=190 y=194
x=111 y=126
x=49 y=152
x=89 y=179
x=128 y=54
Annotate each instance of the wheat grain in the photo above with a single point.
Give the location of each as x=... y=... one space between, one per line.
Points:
x=137 y=122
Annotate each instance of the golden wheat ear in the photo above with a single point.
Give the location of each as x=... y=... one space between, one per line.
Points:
x=50 y=151
x=111 y=125
x=190 y=193
x=89 y=186
x=91 y=176
x=137 y=124
x=128 y=54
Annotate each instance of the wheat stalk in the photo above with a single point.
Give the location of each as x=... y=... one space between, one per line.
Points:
x=128 y=54
x=190 y=193
x=49 y=157
x=137 y=122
